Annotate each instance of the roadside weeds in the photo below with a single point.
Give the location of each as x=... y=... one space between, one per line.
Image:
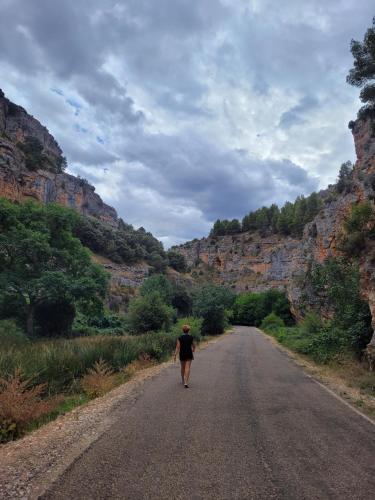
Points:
x=343 y=379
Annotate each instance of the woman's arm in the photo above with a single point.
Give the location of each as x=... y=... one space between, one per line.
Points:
x=177 y=349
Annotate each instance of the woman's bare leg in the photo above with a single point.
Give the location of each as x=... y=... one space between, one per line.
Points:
x=183 y=363
x=187 y=370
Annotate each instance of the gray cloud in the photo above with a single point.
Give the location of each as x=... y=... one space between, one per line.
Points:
x=183 y=112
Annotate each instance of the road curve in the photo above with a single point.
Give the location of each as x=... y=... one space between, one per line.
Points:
x=251 y=426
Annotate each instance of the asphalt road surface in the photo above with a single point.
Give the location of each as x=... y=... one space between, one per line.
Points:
x=252 y=425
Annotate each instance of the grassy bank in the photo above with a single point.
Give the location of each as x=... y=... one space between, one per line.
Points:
x=68 y=372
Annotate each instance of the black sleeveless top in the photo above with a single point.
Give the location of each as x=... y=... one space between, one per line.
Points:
x=186 y=351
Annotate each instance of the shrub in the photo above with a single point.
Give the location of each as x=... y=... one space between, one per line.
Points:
x=272 y=322
x=149 y=313
x=251 y=308
x=20 y=404
x=160 y=284
x=210 y=303
x=336 y=287
x=98 y=380
x=177 y=261
x=357 y=227
x=11 y=334
x=195 y=327
x=32 y=148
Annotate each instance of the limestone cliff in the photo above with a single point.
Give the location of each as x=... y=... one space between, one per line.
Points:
x=246 y=261
x=47 y=182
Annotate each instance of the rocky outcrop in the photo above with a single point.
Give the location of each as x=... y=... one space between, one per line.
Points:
x=47 y=183
x=247 y=261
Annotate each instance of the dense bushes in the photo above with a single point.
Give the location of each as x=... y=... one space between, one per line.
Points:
x=177 y=261
x=122 y=245
x=44 y=269
x=211 y=303
x=335 y=286
x=252 y=308
x=35 y=158
x=289 y=220
x=149 y=313
x=358 y=227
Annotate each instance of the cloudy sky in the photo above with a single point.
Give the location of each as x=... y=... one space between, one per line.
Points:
x=185 y=111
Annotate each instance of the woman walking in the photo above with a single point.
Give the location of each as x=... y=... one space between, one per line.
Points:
x=185 y=347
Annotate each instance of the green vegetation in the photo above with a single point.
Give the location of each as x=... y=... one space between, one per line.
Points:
x=177 y=261
x=252 y=308
x=35 y=157
x=345 y=177
x=45 y=272
x=123 y=245
x=335 y=287
x=48 y=275
x=358 y=228
x=363 y=73
x=289 y=220
x=212 y=303
x=149 y=313
x=272 y=322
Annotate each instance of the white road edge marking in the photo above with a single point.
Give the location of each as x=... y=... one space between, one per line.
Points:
x=283 y=349
x=342 y=400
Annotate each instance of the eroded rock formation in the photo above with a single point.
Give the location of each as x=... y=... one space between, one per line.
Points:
x=45 y=184
x=246 y=261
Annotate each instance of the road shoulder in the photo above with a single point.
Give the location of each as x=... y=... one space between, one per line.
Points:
x=359 y=402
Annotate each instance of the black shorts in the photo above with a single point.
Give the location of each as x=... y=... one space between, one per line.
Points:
x=186 y=357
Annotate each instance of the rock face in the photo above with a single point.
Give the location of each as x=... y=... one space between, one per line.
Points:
x=17 y=182
x=246 y=261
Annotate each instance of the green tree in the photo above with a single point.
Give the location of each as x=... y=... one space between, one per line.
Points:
x=32 y=148
x=149 y=313
x=177 y=261
x=210 y=303
x=160 y=284
x=336 y=286
x=358 y=227
x=363 y=73
x=42 y=263
x=345 y=176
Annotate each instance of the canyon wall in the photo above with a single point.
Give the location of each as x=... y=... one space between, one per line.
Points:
x=17 y=182
x=247 y=261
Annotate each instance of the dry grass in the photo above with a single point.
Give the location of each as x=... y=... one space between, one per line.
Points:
x=144 y=361
x=20 y=404
x=98 y=380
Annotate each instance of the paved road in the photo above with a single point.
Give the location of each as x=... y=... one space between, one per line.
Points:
x=252 y=426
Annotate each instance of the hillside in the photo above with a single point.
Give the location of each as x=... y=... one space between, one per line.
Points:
x=32 y=168
x=249 y=261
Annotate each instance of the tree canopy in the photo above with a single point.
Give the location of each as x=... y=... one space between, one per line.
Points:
x=42 y=265
x=363 y=72
x=290 y=219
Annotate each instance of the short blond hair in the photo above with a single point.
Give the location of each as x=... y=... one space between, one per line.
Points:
x=186 y=328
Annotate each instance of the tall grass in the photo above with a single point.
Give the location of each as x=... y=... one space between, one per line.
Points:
x=61 y=363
